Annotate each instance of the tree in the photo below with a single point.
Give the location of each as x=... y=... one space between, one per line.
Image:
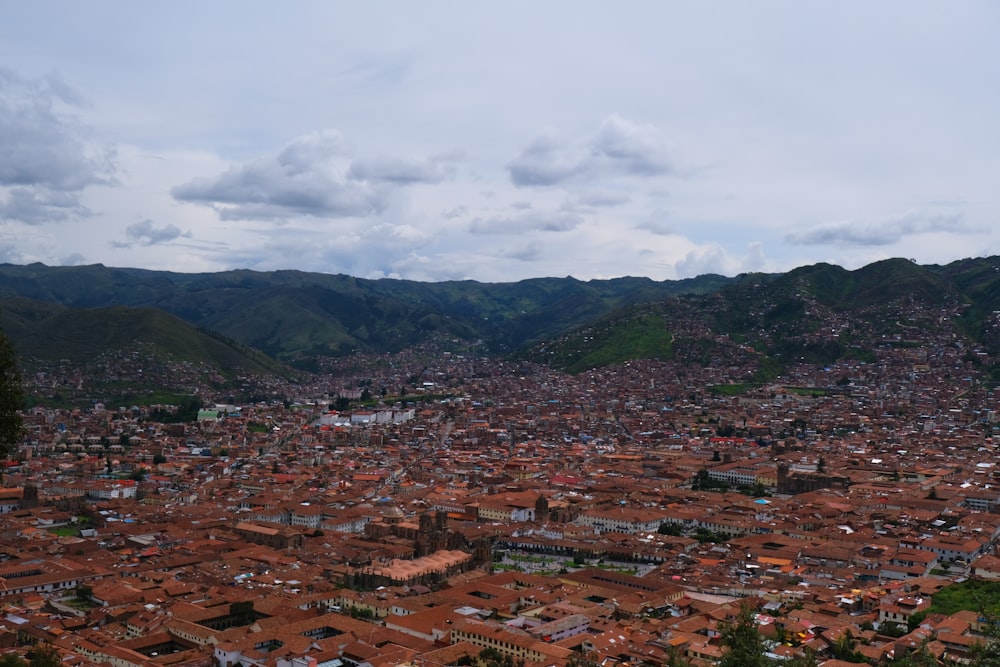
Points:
x=921 y=657
x=82 y=592
x=667 y=528
x=914 y=621
x=242 y=610
x=491 y=657
x=12 y=660
x=986 y=653
x=845 y=648
x=742 y=643
x=11 y=398
x=890 y=629
x=675 y=658
x=45 y=655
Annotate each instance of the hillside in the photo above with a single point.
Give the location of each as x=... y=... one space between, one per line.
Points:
x=48 y=332
x=814 y=314
x=294 y=316
x=764 y=322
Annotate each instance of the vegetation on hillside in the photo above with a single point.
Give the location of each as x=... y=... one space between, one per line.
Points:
x=814 y=314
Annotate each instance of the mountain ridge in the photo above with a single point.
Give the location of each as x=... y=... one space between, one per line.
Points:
x=815 y=313
x=293 y=315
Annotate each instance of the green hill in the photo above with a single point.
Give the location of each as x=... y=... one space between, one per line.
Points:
x=51 y=332
x=294 y=316
x=814 y=314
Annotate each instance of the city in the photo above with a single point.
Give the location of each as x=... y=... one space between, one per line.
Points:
x=623 y=514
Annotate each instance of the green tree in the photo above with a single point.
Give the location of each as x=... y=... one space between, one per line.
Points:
x=675 y=658
x=581 y=660
x=45 y=655
x=364 y=613
x=12 y=660
x=845 y=648
x=667 y=528
x=921 y=657
x=914 y=620
x=11 y=398
x=890 y=629
x=741 y=641
x=242 y=610
x=986 y=653
x=490 y=657
x=82 y=592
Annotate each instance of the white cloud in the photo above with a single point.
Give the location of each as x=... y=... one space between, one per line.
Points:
x=879 y=233
x=714 y=258
x=400 y=171
x=303 y=179
x=620 y=148
x=146 y=233
x=527 y=221
x=39 y=205
x=661 y=142
x=47 y=156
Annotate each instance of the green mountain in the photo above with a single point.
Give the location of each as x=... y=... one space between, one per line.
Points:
x=757 y=323
x=761 y=324
x=294 y=316
x=49 y=332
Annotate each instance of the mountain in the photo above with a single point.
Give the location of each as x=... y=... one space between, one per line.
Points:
x=813 y=314
x=294 y=316
x=760 y=323
x=49 y=332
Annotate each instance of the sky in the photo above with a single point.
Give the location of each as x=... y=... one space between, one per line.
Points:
x=498 y=141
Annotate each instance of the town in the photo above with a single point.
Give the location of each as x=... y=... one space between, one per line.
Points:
x=473 y=508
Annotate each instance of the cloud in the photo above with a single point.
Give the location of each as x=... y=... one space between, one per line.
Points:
x=603 y=199
x=303 y=153
x=528 y=221
x=878 y=233
x=620 y=148
x=11 y=254
x=399 y=171
x=38 y=205
x=524 y=253
x=657 y=226
x=144 y=233
x=713 y=258
x=305 y=179
x=544 y=162
x=632 y=147
x=46 y=155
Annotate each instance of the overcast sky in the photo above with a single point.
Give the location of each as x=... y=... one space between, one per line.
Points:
x=498 y=141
